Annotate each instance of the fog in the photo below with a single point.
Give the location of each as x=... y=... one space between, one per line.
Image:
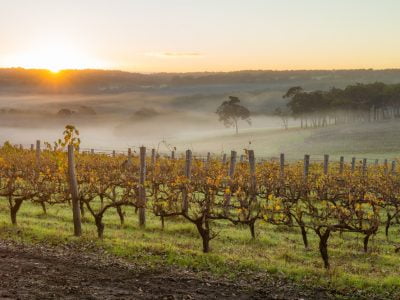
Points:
x=121 y=121
x=184 y=117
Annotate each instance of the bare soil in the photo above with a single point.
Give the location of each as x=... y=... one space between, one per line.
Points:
x=37 y=272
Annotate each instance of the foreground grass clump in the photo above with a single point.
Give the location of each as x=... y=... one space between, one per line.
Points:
x=274 y=251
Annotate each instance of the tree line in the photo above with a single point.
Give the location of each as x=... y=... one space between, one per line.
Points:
x=354 y=103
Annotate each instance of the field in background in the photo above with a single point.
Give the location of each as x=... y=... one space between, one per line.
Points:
x=373 y=141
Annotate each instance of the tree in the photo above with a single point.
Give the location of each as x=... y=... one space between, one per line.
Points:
x=284 y=114
x=293 y=91
x=295 y=104
x=230 y=112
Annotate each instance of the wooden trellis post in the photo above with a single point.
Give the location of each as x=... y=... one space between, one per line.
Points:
x=385 y=166
x=38 y=151
x=364 y=167
x=231 y=173
x=153 y=157
x=353 y=164
x=341 y=165
x=232 y=165
x=73 y=186
x=326 y=164
x=129 y=156
x=306 y=166
x=252 y=166
x=282 y=165
x=188 y=174
x=142 y=189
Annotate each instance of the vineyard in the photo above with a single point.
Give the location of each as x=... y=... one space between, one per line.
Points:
x=316 y=201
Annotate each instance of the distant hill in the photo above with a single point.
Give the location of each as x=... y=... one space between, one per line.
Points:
x=19 y=80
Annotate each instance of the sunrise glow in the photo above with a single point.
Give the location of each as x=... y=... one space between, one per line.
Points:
x=53 y=57
x=191 y=36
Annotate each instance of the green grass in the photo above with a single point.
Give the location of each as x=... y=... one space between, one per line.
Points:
x=277 y=250
x=370 y=140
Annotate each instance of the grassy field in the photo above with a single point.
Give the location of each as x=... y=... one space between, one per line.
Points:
x=276 y=251
x=374 y=141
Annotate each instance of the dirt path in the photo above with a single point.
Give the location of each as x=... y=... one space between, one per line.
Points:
x=44 y=273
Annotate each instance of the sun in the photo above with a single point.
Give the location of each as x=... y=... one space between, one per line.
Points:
x=53 y=57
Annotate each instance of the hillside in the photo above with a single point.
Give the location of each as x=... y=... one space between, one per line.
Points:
x=373 y=141
x=19 y=80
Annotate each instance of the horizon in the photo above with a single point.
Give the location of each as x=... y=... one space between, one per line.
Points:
x=181 y=37
x=198 y=72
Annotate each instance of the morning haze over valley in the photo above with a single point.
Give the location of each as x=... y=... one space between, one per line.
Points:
x=199 y=149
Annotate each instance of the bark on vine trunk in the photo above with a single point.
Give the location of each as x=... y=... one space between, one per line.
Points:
x=121 y=215
x=100 y=225
x=323 y=246
x=252 y=229
x=13 y=215
x=14 y=210
x=162 y=222
x=205 y=236
x=82 y=209
x=304 y=236
x=387 y=226
x=366 y=239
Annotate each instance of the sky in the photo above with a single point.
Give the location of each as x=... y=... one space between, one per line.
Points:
x=200 y=35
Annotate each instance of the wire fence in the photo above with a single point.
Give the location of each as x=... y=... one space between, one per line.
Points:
x=134 y=151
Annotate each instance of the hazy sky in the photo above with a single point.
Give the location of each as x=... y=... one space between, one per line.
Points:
x=200 y=35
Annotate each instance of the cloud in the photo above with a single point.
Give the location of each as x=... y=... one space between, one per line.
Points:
x=174 y=54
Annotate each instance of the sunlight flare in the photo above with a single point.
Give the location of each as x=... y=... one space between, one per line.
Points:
x=53 y=57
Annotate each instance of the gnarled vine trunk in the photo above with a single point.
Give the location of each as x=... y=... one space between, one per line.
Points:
x=205 y=234
x=323 y=245
x=304 y=236
x=121 y=215
x=14 y=208
x=251 y=225
x=100 y=225
x=366 y=239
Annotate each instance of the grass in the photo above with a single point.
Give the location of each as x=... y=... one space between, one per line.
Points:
x=371 y=140
x=277 y=251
